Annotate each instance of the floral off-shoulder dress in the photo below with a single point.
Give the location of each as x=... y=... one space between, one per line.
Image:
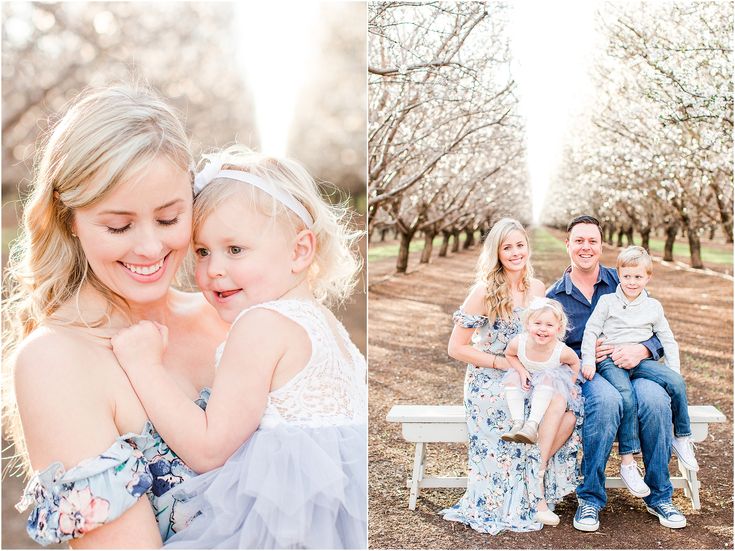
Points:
x=68 y=504
x=503 y=488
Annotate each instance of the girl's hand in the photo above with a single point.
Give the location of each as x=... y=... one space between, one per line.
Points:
x=525 y=378
x=140 y=346
x=575 y=391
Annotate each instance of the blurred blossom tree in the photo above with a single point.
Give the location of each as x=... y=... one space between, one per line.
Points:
x=656 y=150
x=185 y=50
x=445 y=142
x=329 y=129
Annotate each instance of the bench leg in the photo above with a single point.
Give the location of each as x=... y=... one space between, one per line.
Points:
x=418 y=473
x=692 y=486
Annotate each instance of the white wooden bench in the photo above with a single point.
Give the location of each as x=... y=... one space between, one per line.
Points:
x=425 y=424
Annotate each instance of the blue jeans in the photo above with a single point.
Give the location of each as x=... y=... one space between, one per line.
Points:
x=672 y=383
x=602 y=413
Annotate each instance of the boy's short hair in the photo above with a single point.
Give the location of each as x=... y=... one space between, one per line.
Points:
x=635 y=256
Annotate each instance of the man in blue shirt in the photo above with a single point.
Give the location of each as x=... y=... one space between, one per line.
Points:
x=578 y=290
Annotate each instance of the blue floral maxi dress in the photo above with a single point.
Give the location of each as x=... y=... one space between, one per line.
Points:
x=502 y=487
x=69 y=503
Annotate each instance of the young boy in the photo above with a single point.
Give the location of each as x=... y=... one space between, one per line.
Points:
x=629 y=315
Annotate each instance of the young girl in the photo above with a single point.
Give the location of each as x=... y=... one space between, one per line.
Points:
x=288 y=404
x=538 y=365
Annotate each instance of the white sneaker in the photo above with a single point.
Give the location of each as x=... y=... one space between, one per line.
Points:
x=633 y=479
x=684 y=449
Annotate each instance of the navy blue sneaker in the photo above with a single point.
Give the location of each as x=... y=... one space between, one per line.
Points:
x=668 y=515
x=587 y=518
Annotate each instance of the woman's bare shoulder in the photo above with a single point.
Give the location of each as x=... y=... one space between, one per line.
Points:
x=538 y=289
x=53 y=352
x=63 y=396
x=474 y=304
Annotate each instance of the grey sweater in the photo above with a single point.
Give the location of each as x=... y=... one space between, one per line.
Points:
x=621 y=321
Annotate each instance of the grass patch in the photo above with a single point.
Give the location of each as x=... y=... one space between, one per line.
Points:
x=379 y=251
x=387 y=250
x=709 y=254
x=543 y=241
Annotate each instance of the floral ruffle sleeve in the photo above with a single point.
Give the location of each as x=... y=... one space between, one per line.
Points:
x=68 y=504
x=469 y=321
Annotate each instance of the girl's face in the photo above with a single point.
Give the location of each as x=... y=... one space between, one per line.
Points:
x=543 y=327
x=136 y=237
x=513 y=252
x=244 y=258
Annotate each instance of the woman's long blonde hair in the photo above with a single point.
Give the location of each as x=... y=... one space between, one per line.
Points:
x=333 y=273
x=490 y=273
x=105 y=135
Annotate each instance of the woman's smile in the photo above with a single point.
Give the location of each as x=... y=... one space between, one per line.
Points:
x=147 y=273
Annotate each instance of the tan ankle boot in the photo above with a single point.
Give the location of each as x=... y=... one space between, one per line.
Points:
x=510 y=436
x=528 y=434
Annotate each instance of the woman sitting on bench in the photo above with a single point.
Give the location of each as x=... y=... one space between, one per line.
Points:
x=504 y=489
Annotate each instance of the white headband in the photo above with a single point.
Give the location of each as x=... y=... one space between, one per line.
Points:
x=538 y=303
x=213 y=170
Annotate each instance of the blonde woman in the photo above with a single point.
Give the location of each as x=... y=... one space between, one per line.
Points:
x=104 y=231
x=505 y=489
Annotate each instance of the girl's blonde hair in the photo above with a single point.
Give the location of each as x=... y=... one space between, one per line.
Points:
x=490 y=273
x=105 y=136
x=333 y=273
x=541 y=305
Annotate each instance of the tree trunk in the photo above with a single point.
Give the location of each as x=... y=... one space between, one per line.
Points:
x=645 y=238
x=671 y=232
x=620 y=237
x=610 y=234
x=445 y=243
x=695 y=249
x=455 y=243
x=469 y=238
x=402 y=261
x=383 y=235
x=629 y=236
x=484 y=230
x=725 y=214
x=712 y=231
x=428 y=246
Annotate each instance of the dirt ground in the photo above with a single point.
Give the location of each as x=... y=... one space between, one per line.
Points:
x=409 y=322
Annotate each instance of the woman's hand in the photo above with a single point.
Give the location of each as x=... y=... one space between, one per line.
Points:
x=140 y=346
x=502 y=363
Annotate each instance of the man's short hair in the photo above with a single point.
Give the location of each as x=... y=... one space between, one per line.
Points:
x=584 y=219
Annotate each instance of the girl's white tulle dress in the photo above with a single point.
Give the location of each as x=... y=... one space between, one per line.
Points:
x=300 y=481
x=550 y=372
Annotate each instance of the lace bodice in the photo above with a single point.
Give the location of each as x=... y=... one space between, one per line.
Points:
x=331 y=389
x=534 y=366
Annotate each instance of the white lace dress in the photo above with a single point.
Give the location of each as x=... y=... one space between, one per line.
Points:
x=300 y=481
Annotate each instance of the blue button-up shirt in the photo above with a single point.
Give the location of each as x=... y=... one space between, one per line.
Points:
x=579 y=309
